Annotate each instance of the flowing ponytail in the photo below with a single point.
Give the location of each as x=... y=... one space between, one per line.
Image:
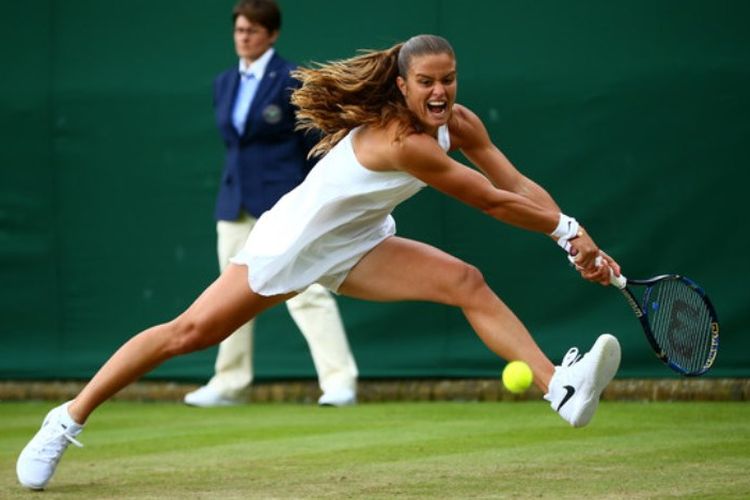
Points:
x=340 y=95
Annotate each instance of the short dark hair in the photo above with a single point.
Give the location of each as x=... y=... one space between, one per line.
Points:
x=264 y=12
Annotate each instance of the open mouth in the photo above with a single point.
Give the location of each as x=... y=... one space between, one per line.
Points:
x=437 y=107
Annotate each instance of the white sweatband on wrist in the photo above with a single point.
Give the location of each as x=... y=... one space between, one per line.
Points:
x=567 y=229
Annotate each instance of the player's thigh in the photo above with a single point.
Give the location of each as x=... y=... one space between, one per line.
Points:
x=403 y=269
x=225 y=305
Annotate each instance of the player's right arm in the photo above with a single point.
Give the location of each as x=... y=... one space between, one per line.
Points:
x=422 y=157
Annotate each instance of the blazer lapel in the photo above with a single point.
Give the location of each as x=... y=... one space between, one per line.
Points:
x=228 y=96
x=264 y=87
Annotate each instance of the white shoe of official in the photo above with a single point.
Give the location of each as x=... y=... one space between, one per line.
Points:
x=338 y=397
x=38 y=460
x=577 y=384
x=207 y=397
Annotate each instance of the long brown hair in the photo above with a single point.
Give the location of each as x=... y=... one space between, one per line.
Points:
x=337 y=96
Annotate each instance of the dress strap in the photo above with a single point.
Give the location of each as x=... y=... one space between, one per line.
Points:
x=444 y=137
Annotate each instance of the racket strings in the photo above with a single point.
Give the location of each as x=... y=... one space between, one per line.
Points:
x=681 y=323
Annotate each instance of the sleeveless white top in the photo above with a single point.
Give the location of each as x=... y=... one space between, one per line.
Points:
x=317 y=232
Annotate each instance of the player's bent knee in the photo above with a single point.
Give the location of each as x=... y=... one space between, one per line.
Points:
x=187 y=335
x=469 y=282
x=474 y=279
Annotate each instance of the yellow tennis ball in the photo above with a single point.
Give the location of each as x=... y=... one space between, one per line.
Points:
x=517 y=377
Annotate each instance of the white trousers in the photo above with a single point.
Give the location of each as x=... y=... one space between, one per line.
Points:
x=315 y=313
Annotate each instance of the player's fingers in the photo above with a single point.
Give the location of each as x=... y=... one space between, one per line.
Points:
x=611 y=263
x=597 y=274
x=604 y=274
x=586 y=256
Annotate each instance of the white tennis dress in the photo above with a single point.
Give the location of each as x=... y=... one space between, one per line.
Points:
x=317 y=232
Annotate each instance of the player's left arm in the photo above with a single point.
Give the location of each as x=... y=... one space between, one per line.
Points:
x=469 y=134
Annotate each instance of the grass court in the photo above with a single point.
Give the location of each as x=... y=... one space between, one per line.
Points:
x=393 y=450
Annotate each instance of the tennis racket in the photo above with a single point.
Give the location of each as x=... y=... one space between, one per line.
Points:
x=678 y=319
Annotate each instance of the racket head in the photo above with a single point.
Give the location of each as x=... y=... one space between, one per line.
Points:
x=681 y=323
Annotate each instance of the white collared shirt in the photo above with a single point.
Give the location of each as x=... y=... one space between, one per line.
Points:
x=258 y=67
x=250 y=76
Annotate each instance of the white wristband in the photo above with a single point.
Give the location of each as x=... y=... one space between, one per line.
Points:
x=567 y=229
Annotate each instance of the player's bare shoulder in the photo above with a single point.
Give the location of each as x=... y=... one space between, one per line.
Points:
x=389 y=148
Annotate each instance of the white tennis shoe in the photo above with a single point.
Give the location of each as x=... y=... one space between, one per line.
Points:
x=338 y=397
x=38 y=460
x=208 y=397
x=577 y=384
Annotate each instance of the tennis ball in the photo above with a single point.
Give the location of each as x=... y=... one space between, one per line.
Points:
x=517 y=377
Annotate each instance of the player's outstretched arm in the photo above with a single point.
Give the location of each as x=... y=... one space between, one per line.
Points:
x=469 y=134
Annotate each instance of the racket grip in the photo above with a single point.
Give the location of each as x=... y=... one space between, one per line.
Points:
x=618 y=281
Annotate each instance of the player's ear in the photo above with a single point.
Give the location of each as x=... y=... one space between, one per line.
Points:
x=401 y=83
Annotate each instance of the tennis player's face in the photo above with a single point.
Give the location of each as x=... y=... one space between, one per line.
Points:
x=251 y=39
x=430 y=89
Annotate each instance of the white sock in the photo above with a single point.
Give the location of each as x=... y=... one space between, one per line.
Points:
x=67 y=420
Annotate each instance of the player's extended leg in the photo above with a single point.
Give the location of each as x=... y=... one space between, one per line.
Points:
x=217 y=312
x=233 y=369
x=403 y=269
x=220 y=309
x=400 y=269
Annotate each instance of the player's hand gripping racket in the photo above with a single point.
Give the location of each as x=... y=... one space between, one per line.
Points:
x=678 y=319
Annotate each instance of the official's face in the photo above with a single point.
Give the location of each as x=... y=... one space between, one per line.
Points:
x=251 y=39
x=430 y=89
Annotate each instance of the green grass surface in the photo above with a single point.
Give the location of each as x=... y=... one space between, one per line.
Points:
x=393 y=450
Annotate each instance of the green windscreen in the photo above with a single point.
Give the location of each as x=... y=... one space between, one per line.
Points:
x=634 y=115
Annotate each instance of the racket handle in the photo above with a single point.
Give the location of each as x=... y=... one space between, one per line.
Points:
x=618 y=281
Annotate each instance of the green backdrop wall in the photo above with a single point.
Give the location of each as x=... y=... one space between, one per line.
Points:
x=635 y=115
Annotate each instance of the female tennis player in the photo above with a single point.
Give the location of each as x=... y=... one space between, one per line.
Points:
x=389 y=119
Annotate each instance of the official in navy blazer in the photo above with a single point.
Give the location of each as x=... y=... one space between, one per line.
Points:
x=266 y=158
